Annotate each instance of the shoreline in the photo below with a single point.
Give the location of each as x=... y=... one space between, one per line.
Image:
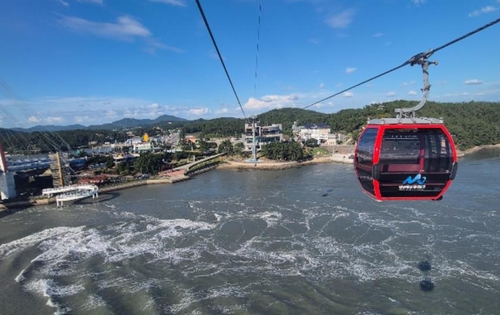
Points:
x=106 y=189
x=228 y=164
x=479 y=148
x=265 y=165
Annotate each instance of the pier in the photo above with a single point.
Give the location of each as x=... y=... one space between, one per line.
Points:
x=71 y=193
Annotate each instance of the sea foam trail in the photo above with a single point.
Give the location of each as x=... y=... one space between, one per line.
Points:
x=31 y=240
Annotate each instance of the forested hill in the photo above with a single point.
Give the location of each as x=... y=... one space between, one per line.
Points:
x=472 y=124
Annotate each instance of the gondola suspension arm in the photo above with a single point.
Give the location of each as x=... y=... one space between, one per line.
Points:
x=420 y=59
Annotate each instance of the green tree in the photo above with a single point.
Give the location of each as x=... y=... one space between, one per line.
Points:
x=311 y=143
x=238 y=148
x=149 y=163
x=283 y=151
x=226 y=147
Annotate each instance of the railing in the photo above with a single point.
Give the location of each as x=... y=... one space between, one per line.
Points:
x=72 y=192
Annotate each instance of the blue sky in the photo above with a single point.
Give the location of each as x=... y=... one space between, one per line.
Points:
x=96 y=61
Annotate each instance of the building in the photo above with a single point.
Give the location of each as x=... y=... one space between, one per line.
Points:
x=7 y=183
x=263 y=135
x=142 y=147
x=319 y=132
x=125 y=157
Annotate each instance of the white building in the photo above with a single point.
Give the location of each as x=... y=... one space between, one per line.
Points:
x=319 y=132
x=7 y=183
x=263 y=135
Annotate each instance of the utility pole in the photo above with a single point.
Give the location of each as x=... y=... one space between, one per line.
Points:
x=254 y=146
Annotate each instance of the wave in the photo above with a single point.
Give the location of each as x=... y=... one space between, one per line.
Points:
x=229 y=248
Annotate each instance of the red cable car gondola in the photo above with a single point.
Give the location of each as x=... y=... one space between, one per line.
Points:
x=406 y=158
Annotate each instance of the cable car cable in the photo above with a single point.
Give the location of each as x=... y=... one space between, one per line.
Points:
x=218 y=53
x=257 y=52
x=412 y=61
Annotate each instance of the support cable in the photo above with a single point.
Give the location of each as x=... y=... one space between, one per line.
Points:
x=257 y=52
x=412 y=61
x=218 y=53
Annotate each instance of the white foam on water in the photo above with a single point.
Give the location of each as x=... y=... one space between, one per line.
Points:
x=20 y=277
x=31 y=240
x=48 y=288
x=271 y=218
x=190 y=297
x=93 y=302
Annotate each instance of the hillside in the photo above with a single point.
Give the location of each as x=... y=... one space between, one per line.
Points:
x=472 y=124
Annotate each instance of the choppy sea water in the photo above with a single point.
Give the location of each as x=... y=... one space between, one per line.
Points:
x=300 y=241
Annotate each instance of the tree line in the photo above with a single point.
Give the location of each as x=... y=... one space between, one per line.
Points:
x=471 y=123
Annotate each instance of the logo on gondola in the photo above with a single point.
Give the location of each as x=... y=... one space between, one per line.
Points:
x=419 y=179
x=415 y=183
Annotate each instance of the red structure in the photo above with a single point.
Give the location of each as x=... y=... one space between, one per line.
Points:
x=405 y=161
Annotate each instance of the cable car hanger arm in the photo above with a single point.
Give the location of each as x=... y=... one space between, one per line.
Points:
x=420 y=59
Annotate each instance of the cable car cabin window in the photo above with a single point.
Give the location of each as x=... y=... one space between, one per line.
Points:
x=364 y=158
x=366 y=147
x=438 y=157
x=415 y=151
x=400 y=152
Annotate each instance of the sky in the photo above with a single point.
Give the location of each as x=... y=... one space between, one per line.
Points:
x=91 y=62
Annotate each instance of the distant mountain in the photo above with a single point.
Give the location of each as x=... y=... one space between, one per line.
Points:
x=50 y=128
x=132 y=122
x=119 y=124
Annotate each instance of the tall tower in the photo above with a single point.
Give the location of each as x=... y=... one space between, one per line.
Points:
x=7 y=182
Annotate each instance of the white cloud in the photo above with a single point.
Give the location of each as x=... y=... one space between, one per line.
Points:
x=403 y=84
x=154 y=44
x=33 y=119
x=51 y=120
x=322 y=85
x=177 y=3
x=390 y=94
x=92 y=1
x=341 y=19
x=222 y=111
x=111 y=113
x=47 y=120
x=418 y=2
x=126 y=27
x=487 y=9
x=348 y=94
x=411 y=92
x=64 y=3
x=350 y=70
x=271 y=101
x=198 y=111
x=81 y=119
x=91 y=110
x=378 y=34
x=473 y=81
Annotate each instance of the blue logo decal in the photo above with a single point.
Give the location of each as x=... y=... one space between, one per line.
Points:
x=419 y=179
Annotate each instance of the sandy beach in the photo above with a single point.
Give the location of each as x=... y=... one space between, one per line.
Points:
x=271 y=165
